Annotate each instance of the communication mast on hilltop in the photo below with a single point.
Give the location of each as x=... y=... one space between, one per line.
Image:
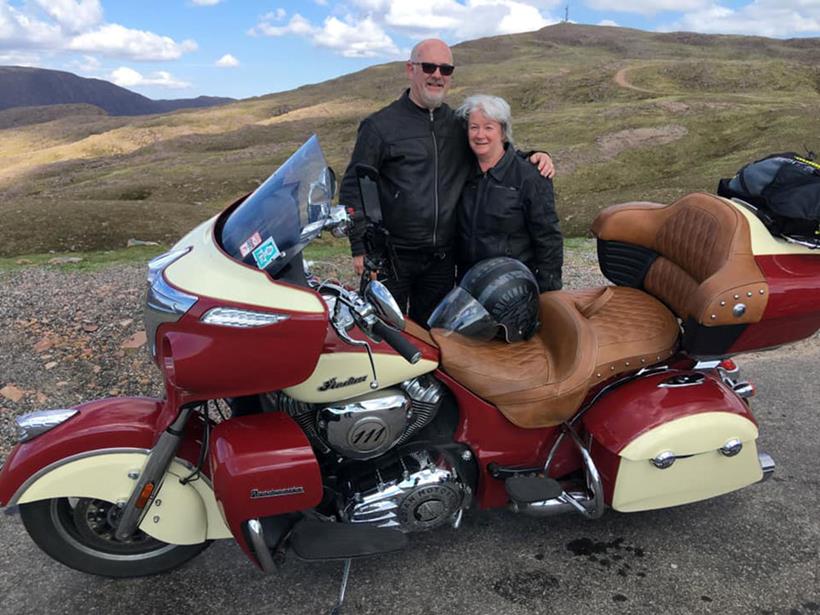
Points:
x=566 y=13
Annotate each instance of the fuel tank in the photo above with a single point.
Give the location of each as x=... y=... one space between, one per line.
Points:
x=343 y=370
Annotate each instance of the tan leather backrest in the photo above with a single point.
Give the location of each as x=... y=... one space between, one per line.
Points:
x=705 y=266
x=569 y=339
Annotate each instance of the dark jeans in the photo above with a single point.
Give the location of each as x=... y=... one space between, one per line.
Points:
x=422 y=280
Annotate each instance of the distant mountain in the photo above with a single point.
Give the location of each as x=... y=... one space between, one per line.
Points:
x=29 y=87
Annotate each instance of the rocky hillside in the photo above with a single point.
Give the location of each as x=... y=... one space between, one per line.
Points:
x=628 y=115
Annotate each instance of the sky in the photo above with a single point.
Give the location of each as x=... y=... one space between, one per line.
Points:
x=244 y=48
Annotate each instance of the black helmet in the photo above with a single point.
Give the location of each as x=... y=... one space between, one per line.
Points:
x=496 y=293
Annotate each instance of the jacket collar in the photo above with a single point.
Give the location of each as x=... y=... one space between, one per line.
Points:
x=408 y=103
x=500 y=169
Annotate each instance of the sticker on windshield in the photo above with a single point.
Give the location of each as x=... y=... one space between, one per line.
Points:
x=252 y=241
x=266 y=253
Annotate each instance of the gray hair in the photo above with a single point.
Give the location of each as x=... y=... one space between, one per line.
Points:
x=494 y=107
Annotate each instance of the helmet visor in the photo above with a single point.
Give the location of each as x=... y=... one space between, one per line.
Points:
x=459 y=312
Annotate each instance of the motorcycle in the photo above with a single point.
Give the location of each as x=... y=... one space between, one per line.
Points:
x=302 y=416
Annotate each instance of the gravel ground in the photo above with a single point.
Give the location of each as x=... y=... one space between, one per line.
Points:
x=71 y=336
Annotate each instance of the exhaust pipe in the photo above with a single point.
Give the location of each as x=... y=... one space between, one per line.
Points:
x=555 y=506
x=767 y=464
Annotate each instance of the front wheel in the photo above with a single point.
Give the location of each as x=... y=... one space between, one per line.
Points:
x=79 y=532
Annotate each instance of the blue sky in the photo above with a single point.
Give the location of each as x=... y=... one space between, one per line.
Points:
x=242 y=48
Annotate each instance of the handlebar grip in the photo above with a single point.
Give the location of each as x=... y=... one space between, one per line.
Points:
x=399 y=343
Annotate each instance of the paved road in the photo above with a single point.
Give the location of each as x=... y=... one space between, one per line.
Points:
x=755 y=551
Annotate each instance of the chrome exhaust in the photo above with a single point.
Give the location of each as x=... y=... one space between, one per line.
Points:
x=257 y=539
x=767 y=464
x=568 y=502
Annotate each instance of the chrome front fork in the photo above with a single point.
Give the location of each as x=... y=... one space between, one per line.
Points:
x=150 y=480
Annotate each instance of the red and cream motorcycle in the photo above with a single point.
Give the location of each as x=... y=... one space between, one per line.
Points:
x=346 y=428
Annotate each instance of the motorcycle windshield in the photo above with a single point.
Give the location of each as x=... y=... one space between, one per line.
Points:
x=284 y=214
x=459 y=312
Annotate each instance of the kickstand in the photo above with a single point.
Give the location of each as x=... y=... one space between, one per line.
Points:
x=337 y=610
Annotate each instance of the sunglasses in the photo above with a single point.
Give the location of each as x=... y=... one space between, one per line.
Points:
x=429 y=68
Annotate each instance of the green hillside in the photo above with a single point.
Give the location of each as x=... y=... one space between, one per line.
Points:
x=627 y=115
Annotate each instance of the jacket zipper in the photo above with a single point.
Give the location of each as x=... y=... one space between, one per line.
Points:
x=435 y=176
x=480 y=195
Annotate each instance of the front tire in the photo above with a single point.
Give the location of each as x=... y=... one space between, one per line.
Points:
x=79 y=532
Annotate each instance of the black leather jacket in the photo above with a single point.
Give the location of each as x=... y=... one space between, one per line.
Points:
x=423 y=160
x=510 y=211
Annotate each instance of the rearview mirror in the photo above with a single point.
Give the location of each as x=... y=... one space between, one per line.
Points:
x=386 y=307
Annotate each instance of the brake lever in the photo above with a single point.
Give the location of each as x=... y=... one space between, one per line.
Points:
x=362 y=315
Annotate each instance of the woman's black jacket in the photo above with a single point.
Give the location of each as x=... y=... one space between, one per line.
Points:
x=510 y=211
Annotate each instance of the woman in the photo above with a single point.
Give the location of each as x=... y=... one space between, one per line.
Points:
x=507 y=208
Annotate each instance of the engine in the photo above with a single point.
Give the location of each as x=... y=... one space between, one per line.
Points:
x=415 y=494
x=367 y=426
x=412 y=492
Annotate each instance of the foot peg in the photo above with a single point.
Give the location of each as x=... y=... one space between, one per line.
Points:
x=320 y=540
x=528 y=489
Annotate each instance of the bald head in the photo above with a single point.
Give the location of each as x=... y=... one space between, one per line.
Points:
x=428 y=89
x=431 y=45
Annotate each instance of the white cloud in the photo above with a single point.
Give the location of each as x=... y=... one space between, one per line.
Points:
x=773 y=18
x=73 y=15
x=87 y=65
x=128 y=77
x=277 y=15
x=350 y=38
x=647 y=7
x=20 y=58
x=364 y=39
x=206 y=2
x=227 y=61
x=297 y=25
x=114 y=39
x=608 y=22
x=25 y=30
x=78 y=25
x=366 y=34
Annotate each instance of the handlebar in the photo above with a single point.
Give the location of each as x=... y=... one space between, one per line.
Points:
x=399 y=343
x=364 y=316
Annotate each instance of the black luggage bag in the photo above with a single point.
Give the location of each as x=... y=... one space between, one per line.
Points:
x=785 y=188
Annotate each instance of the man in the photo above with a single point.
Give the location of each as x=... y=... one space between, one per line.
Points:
x=420 y=150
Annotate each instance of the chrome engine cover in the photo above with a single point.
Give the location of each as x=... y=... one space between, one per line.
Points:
x=423 y=500
x=366 y=426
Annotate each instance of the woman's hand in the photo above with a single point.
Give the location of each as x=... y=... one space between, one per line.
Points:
x=544 y=163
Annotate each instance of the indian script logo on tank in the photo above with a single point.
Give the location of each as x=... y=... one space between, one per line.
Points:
x=275 y=493
x=334 y=384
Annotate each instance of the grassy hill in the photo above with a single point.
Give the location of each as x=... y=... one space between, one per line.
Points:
x=627 y=115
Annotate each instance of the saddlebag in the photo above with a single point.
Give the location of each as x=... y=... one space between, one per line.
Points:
x=700 y=443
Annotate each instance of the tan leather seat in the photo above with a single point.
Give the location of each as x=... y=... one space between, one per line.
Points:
x=705 y=264
x=585 y=337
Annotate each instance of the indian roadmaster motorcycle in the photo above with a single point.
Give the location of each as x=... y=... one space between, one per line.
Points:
x=346 y=429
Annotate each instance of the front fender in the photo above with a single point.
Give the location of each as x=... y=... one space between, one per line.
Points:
x=126 y=422
x=91 y=455
x=180 y=514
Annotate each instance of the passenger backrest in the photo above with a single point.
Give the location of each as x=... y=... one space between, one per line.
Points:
x=695 y=255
